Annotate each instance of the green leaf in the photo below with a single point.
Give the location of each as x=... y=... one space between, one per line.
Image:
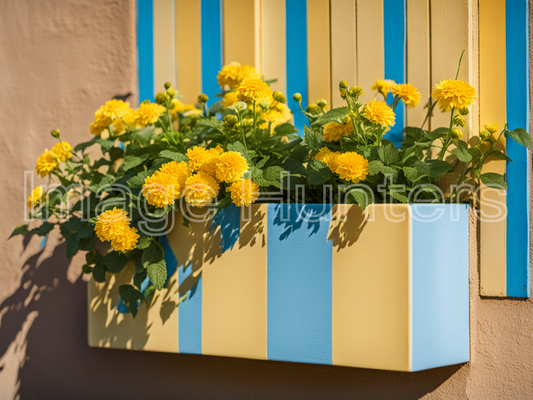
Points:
x=374 y=167
x=388 y=154
x=173 y=155
x=438 y=168
x=398 y=195
x=461 y=152
x=115 y=153
x=139 y=277
x=412 y=135
x=273 y=175
x=157 y=273
x=153 y=254
x=144 y=241
x=99 y=272
x=494 y=180
x=313 y=138
x=143 y=135
x=315 y=179
x=43 y=230
x=285 y=129
x=115 y=261
x=361 y=196
x=19 y=230
x=84 y=228
x=133 y=161
x=83 y=146
x=294 y=166
x=128 y=293
x=262 y=162
x=138 y=180
x=106 y=144
x=73 y=242
x=239 y=148
x=333 y=115
x=520 y=136
x=498 y=154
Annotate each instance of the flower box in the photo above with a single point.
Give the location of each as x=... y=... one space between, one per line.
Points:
x=386 y=289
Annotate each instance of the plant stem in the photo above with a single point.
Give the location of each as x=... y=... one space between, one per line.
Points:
x=447 y=142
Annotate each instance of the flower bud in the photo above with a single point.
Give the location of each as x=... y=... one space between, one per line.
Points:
x=240 y=106
x=485 y=135
x=167 y=85
x=464 y=111
x=297 y=97
x=493 y=128
x=264 y=104
x=230 y=120
x=279 y=97
x=346 y=119
x=313 y=109
x=160 y=98
x=55 y=133
x=456 y=134
x=343 y=93
x=343 y=84
x=458 y=121
x=322 y=103
x=203 y=98
x=171 y=92
x=356 y=91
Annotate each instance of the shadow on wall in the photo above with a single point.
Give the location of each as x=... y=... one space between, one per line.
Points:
x=44 y=354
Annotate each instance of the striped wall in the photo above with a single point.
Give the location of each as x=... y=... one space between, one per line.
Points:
x=310 y=45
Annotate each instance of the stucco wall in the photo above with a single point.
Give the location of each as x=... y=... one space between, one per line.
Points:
x=59 y=60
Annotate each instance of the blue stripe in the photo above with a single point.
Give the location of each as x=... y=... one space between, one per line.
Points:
x=440 y=287
x=299 y=286
x=518 y=247
x=211 y=33
x=296 y=28
x=145 y=49
x=394 y=42
x=189 y=311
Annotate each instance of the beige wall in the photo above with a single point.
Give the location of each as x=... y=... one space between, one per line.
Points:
x=59 y=60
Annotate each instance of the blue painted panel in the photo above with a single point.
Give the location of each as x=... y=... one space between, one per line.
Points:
x=145 y=49
x=440 y=322
x=518 y=247
x=299 y=285
x=395 y=55
x=296 y=15
x=211 y=34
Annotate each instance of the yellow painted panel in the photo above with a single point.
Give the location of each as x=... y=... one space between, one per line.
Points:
x=318 y=50
x=371 y=329
x=370 y=51
x=273 y=43
x=164 y=43
x=234 y=292
x=242 y=39
x=153 y=329
x=188 y=49
x=418 y=58
x=492 y=109
x=343 y=47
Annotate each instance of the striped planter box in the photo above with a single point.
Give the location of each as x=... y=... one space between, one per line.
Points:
x=306 y=283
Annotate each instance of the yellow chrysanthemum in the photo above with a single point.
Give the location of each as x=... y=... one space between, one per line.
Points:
x=111 y=224
x=200 y=189
x=451 y=93
x=407 y=93
x=180 y=170
x=34 y=200
x=62 y=151
x=148 y=114
x=127 y=120
x=230 y=166
x=161 y=189
x=333 y=131
x=197 y=156
x=244 y=192
x=352 y=167
x=254 y=89
x=233 y=74
x=276 y=115
x=112 y=112
x=329 y=157
x=114 y=109
x=383 y=86
x=127 y=241
x=230 y=99
x=379 y=113
x=46 y=163
x=99 y=124
x=209 y=166
x=492 y=128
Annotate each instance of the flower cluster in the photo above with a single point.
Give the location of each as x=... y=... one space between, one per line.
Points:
x=114 y=226
x=49 y=160
x=349 y=166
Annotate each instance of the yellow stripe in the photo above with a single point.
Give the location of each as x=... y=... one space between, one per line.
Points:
x=273 y=43
x=371 y=328
x=234 y=292
x=242 y=41
x=492 y=109
x=370 y=51
x=164 y=43
x=154 y=329
x=188 y=49
x=343 y=47
x=418 y=58
x=318 y=50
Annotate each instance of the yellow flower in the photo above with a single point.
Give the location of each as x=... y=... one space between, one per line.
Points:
x=114 y=109
x=111 y=224
x=197 y=156
x=180 y=170
x=254 y=89
x=383 y=86
x=127 y=120
x=233 y=74
x=451 y=93
x=456 y=134
x=176 y=106
x=230 y=166
x=407 y=93
x=161 y=189
x=379 y=113
x=148 y=114
x=111 y=112
x=333 y=131
x=277 y=114
x=327 y=156
x=493 y=128
x=35 y=197
x=352 y=167
x=62 y=151
x=230 y=99
x=244 y=192
x=126 y=241
x=46 y=163
x=99 y=124
x=200 y=189
x=210 y=164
